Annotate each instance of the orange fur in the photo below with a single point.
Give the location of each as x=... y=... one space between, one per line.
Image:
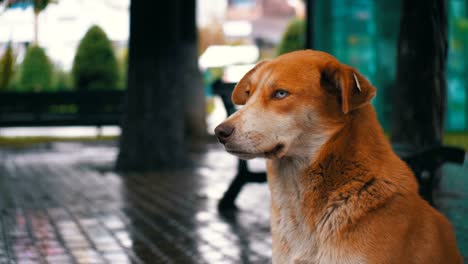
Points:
x=347 y=198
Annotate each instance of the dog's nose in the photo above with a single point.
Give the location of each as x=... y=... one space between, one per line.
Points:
x=223 y=132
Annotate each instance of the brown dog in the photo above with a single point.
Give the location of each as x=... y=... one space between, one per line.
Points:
x=339 y=194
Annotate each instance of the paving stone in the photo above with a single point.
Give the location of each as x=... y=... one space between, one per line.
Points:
x=117 y=257
x=64 y=204
x=50 y=249
x=62 y=258
x=112 y=222
x=87 y=256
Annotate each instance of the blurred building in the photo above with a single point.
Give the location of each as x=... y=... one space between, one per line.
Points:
x=269 y=18
x=254 y=21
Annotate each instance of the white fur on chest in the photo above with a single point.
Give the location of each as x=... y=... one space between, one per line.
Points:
x=305 y=244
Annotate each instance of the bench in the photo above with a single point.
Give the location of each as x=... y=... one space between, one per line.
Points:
x=89 y=108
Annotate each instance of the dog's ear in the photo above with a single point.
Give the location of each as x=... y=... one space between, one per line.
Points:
x=241 y=93
x=351 y=88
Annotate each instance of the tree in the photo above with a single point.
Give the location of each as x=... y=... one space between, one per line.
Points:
x=293 y=38
x=7 y=63
x=419 y=99
x=38 y=6
x=61 y=80
x=163 y=80
x=36 y=71
x=95 y=66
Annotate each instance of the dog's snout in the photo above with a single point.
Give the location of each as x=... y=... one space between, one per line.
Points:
x=223 y=132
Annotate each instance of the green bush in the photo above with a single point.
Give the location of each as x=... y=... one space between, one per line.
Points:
x=62 y=80
x=15 y=81
x=36 y=71
x=294 y=37
x=95 y=66
x=7 y=63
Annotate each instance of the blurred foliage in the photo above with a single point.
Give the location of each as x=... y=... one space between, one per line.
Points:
x=211 y=34
x=210 y=105
x=215 y=73
x=36 y=71
x=95 y=66
x=459 y=139
x=7 y=63
x=293 y=38
x=123 y=67
x=38 y=5
x=15 y=81
x=62 y=80
x=209 y=77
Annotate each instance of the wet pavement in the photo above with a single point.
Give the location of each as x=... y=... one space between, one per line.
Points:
x=62 y=203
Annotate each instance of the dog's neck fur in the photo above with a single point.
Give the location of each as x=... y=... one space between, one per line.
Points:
x=324 y=194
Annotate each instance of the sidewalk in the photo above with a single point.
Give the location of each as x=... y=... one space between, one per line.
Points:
x=62 y=203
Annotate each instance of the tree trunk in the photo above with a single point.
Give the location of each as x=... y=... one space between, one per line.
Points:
x=153 y=128
x=310 y=25
x=420 y=94
x=190 y=75
x=465 y=54
x=36 y=26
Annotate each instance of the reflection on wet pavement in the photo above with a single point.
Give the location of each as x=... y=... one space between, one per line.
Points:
x=63 y=204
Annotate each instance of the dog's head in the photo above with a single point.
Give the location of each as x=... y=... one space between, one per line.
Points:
x=292 y=105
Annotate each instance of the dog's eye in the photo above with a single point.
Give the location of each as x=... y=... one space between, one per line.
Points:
x=280 y=94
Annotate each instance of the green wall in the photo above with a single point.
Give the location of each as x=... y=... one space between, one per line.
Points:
x=364 y=33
